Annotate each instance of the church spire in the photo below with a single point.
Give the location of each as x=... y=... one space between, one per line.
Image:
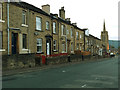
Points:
x=104 y=28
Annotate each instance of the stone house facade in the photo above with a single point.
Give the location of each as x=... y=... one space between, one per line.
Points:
x=26 y=29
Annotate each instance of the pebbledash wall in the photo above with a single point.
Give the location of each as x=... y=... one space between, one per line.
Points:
x=34 y=33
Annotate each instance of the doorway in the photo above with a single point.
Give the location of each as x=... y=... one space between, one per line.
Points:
x=48 y=47
x=14 y=43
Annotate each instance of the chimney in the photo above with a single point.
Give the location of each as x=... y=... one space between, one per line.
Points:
x=62 y=13
x=75 y=24
x=46 y=8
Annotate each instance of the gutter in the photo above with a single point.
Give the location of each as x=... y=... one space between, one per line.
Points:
x=8 y=24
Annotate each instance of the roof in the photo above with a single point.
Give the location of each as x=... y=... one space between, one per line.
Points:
x=38 y=10
x=94 y=37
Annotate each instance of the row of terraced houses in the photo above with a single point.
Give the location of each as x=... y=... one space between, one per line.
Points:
x=26 y=29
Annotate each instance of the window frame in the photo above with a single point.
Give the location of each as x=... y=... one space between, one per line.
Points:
x=40 y=45
x=24 y=40
x=24 y=16
x=38 y=22
x=63 y=47
x=77 y=35
x=47 y=25
x=1 y=40
x=54 y=27
x=55 y=45
x=77 y=46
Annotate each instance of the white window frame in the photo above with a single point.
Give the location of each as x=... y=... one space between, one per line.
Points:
x=80 y=36
x=47 y=25
x=38 y=23
x=62 y=27
x=67 y=32
x=54 y=27
x=39 y=45
x=55 y=45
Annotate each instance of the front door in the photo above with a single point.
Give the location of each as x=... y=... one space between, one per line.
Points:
x=68 y=46
x=14 y=43
x=48 y=47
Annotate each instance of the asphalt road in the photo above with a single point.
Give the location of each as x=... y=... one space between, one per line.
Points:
x=95 y=74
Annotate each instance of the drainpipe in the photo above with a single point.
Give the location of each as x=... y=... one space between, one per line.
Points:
x=8 y=24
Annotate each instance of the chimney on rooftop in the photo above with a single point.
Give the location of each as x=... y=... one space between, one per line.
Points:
x=75 y=24
x=62 y=13
x=46 y=8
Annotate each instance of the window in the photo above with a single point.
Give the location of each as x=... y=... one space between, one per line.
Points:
x=77 y=35
x=80 y=36
x=38 y=23
x=24 y=17
x=71 y=46
x=47 y=25
x=63 y=47
x=77 y=46
x=39 y=45
x=24 y=41
x=63 y=29
x=54 y=27
x=71 y=32
x=0 y=40
x=0 y=11
x=67 y=31
x=54 y=45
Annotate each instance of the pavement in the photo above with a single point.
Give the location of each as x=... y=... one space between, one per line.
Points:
x=102 y=73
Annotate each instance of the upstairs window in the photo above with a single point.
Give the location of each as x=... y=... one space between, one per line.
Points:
x=0 y=11
x=54 y=27
x=67 y=31
x=77 y=35
x=71 y=32
x=80 y=36
x=63 y=29
x=47 y=25
x=24 y=41
x=1 y=40
x=38 y=23
x=54 y=45
x=39 y=45
x=24 y=17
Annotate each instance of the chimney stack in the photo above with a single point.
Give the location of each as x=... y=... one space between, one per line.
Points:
x=62 y=13
x=75 y=24
x=46 y=8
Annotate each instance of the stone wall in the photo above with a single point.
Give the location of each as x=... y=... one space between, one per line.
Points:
x=18 y=61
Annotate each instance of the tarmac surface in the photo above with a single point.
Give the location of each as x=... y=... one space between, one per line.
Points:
x=101 y=73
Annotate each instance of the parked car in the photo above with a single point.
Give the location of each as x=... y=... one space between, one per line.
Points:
x=112 y=54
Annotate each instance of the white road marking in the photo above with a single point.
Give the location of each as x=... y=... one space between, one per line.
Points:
x=104 y=76
x=95 y=81
x=83 y=85
x=63 y=71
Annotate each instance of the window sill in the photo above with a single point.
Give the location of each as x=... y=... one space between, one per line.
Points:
x=2 y=50
x=24 y=25
x=25 y=49
x=40 y=53
x=2 y=21
x=63 y=35
x=55 y=51
x=39 y=30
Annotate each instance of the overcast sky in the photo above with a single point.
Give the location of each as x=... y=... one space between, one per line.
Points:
x=87 y=14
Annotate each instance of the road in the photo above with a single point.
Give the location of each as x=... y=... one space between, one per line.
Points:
x=95 y=74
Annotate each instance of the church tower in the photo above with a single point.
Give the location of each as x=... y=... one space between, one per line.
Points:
x=105 y=38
